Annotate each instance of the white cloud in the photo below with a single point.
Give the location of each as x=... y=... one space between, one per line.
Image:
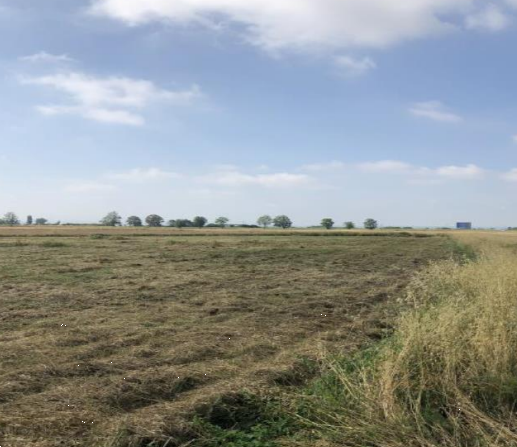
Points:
x=108 y=100
x=470 y=171
x=514 y=138
x=435 y=111
x=89 y=187
x=386 y=166
x=354 y=67
x=491 y=18
x=45 y=57
x=414 y=174
x=278 y=180
x=95 y=114
x=510 y=176
x=331 y=166
x=302 y=24
x=140 y=175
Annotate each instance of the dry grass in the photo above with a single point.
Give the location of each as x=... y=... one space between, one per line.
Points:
x=115 y=340
x=83 y=230
x=448 y=375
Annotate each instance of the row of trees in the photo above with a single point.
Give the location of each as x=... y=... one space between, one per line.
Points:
x=114 y=219
x=11 y=219
x=154 y=220
x=369 y=224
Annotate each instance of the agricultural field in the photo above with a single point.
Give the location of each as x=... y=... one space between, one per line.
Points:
x=109 y=338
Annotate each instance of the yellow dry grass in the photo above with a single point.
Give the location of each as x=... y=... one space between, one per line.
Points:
x=448 y=376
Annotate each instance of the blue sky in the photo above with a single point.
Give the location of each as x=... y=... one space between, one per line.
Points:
x=401 y=111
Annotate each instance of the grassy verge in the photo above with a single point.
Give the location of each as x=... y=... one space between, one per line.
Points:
x=447 y=377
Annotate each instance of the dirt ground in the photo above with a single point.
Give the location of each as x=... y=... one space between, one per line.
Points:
x=100 y=333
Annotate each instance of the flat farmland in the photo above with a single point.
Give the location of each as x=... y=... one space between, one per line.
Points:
x=104 y=333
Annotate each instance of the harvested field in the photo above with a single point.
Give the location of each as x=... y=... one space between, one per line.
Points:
x=104 y=333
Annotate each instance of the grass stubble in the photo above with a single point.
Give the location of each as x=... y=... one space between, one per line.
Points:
x=123 y=341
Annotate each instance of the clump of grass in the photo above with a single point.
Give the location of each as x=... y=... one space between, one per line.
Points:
x=99 y=236
x=53 y=244
x=242 y=420
x=448 y=377
x=119 y=238
x=233 y=420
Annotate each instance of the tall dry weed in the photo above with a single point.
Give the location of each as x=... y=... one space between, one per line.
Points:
x=448 y=376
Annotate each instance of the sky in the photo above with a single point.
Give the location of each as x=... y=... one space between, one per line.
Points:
x=405 y=112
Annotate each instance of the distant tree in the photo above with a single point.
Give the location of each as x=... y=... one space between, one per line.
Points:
x=370 y=224
x=265 y=221
x=180 y=223
x=134 y=221
x=199 y=221
x=11 y=219
x=282 y=222
x=153 y=220
x=349 y=225
x=41 y=221
x=222 y=221
x=29 y=220
x=327 y=223
x=111 y=219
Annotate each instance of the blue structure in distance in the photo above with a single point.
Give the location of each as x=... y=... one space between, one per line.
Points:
x=464 y=226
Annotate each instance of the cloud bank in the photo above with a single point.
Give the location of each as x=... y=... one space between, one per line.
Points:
x=302 y=24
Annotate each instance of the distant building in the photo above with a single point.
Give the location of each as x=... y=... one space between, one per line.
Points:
x=464 y=226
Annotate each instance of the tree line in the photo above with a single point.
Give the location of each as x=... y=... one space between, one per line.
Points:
x=11 y=219
x=154 y=220
x=113 y=219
